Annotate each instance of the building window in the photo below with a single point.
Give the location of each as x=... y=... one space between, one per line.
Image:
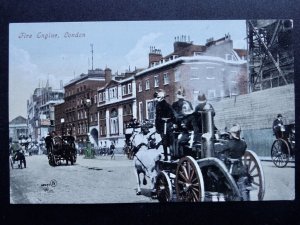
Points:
x=113 y=93
x=147 y=84
x=130 y=109
x=166 y=78
x=156 y=81
x=141 y=111
x=103 y=96
x=151 y=106
x=129 y=89
x=140 y=87
x=100 y=97
x=195 y=74
x=177 y=75
x=101 y=132
x=114 y=125
x=211 y=94
x=124 y=90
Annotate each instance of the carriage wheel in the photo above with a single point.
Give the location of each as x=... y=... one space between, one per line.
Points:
x=189 y=181
x=55 y=160
x=280 y=153
x=256 y=173
x=163 y=187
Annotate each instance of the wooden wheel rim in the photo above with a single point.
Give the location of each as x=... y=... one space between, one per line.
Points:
x=163 y=187
x=189 y=181
x=256 y=172
x=278 y=157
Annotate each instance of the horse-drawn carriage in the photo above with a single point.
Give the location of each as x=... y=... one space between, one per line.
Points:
x=60 y=149
x=199 y=172
x=283 y=148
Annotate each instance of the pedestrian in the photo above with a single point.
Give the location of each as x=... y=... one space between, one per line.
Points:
x=164 y=119
x=112 y=151
x=278 y=126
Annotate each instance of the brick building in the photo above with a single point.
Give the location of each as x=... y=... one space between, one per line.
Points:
x=72 y=116
x=215 y=69
x=116 y=106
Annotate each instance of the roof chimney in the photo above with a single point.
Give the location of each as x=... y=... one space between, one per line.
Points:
x=108 y=75
x=154 y=56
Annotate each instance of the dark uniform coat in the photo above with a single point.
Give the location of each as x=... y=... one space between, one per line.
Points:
x=163 y=110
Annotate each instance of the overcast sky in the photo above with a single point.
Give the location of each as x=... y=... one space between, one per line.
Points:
x=41 y=51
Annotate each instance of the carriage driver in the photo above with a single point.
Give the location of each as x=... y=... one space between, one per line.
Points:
x=164 y=110
x=277 y=126
x=234 y=149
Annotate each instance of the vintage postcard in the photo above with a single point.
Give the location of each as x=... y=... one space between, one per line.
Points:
x=151 y=111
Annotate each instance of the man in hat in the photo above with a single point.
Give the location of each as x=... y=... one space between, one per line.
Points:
x=234 y=149
x=164 y=110
x=183 y=110
x=236 y=146
x=181 y=107
x=202 y=106
x=278 y=126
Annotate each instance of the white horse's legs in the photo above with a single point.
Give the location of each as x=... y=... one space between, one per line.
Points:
x=138 y=181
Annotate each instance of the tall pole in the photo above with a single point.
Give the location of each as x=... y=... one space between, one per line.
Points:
x=92 y=57
x=89 y=153
x=88 y=123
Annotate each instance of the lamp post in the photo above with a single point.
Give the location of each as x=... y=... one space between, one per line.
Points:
x=62 y=120
x=88 y=153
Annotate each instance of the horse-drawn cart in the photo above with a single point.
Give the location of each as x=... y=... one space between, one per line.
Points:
x=60 y=149
x=201 y=173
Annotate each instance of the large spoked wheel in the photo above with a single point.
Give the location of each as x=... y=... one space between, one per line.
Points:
x=256 y=174
x=280 y=153
x=163 y=187
x=189 y=181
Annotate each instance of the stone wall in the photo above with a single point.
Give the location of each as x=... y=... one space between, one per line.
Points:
x=255 y=112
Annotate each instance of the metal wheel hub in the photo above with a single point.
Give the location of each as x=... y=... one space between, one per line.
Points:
x=187 y=187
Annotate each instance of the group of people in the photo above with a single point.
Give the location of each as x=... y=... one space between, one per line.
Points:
x=181 y=116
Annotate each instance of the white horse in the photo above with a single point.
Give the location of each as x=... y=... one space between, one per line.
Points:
x=145 y=160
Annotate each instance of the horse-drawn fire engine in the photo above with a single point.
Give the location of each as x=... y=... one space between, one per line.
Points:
x=201 y=173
